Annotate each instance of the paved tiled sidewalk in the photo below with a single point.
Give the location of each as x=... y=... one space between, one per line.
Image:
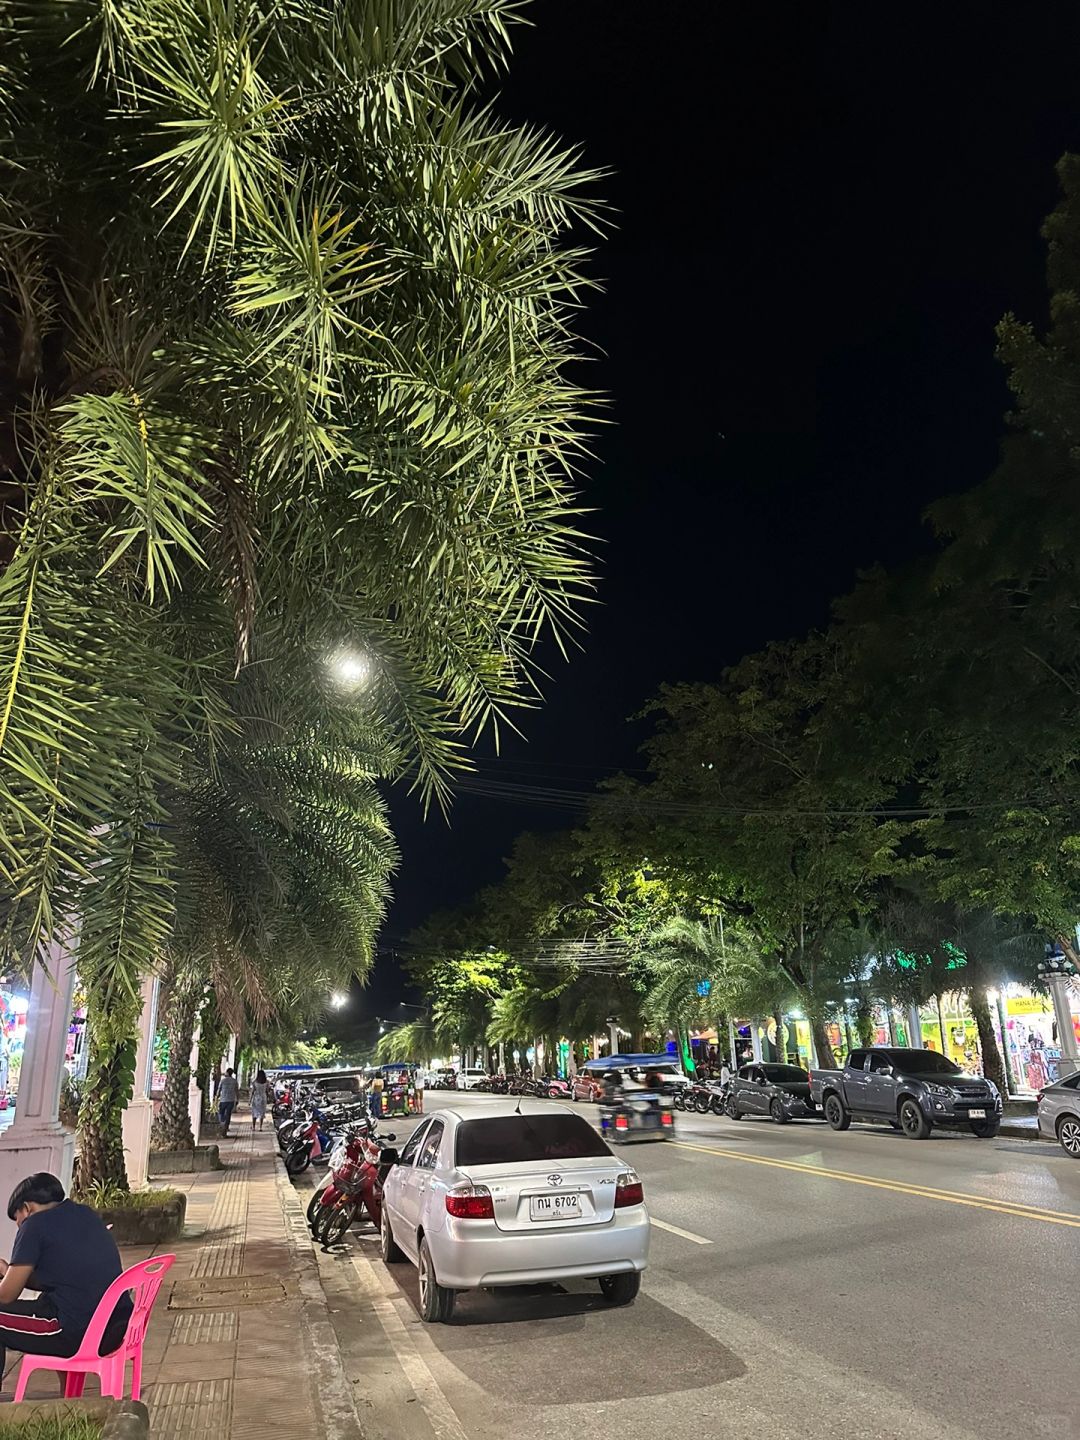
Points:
x=240 y=1345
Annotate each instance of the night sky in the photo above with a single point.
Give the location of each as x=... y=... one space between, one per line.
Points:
x=823 y=210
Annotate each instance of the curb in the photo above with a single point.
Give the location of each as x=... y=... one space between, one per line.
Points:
x=333 y=1394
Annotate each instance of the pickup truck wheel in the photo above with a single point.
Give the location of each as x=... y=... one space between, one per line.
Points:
x=985 y=1129
x=913 y=1122
x=778 y=1113
x=835 y=1113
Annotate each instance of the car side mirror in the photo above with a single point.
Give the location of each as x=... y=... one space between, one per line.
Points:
x=885 y=1070
x=388 y=1155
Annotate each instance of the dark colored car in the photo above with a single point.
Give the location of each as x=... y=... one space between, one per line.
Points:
x=780 y=1091
x=913 y=1090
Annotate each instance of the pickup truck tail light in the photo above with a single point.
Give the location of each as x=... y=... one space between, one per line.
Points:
x=628 y=1190
x=470 y=1202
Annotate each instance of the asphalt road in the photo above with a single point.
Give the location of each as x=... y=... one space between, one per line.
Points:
x=801 y=1284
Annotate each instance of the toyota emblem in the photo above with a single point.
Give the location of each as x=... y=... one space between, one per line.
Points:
x=554 y=1179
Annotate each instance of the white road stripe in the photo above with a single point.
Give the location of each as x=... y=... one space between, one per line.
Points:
x=674 y=1229
x=439 y=1411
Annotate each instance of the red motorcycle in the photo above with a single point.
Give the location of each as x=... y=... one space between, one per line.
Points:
x=357 y=1172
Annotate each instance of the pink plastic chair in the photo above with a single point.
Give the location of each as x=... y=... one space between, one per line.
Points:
x=144 y=1280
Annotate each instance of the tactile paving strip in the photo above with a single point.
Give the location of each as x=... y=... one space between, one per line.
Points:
x=213 y=1328
x=192 y=1409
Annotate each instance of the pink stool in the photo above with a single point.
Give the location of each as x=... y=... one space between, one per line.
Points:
x=144 y=1280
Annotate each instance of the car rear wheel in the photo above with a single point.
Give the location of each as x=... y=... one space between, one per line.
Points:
x=913 y=1122
x=835 y=1113
x=1068 y=1133
x=620 y=1289
x=392 y=1252
x=778 y=1113
x=985 y=1129
x=436 y=1301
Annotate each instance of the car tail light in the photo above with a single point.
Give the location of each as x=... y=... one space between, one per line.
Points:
x=628 y=1190
x=470 y=1202
x=1038 y=1097
x=666 y=1117
x=621 y=1122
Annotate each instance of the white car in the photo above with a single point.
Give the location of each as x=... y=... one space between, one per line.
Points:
x=470 y=1078
x=515 y=1195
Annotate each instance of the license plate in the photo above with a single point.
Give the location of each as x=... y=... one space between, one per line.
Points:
x=555 y=1207
x=977 y=1114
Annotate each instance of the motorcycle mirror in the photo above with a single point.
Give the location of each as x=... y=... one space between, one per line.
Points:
x=391 y=1136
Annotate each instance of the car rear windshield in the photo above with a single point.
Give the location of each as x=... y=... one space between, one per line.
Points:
x=785 y=1072
x=520 y=1138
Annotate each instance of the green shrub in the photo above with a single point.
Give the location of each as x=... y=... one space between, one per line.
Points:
x=111 y=1197
x=65 y=1425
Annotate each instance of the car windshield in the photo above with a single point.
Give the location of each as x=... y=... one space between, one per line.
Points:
x=785 y=1072
x=923 y=1062
x=519 y=1138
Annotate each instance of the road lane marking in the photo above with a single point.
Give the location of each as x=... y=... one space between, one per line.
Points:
x=674 y=1229
x=425 y=1387
x=899 y=1187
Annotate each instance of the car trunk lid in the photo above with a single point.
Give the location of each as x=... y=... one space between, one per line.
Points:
x=548 y=1194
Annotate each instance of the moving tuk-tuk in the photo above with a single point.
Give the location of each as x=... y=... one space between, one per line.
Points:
x=631 y=1109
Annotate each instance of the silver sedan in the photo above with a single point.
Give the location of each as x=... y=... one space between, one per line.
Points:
x=513 y=1195
x=1059 y=1114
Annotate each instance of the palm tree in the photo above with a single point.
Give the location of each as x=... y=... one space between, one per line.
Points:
x=304 y=404
x=699 y=967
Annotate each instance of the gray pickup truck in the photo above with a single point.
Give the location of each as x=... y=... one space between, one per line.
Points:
x=913 y=1090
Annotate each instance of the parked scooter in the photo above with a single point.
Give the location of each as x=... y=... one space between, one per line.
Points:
x=358 y=1169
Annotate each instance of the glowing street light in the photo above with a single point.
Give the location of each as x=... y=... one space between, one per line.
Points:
x=338 y=999
x=349 y=668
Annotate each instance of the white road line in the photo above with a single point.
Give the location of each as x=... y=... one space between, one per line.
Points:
x=674 y=1229
x=438 y=1409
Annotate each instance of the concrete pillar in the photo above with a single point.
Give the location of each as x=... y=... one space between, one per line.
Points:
x=914 y=1024
x=733 y=1053
x=139 y=1115
x=36 y=1140
x=502 y=1057
x=194 y=1093
x=1059 y=990
x=755 y=1037
x=613 y=1032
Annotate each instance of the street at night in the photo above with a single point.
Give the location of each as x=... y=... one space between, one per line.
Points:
x=801 y=1283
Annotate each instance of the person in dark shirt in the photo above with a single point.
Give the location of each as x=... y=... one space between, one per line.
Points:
x=65 y=1251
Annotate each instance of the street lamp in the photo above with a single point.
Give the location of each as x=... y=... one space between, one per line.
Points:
x=338 y=999
x=1057 y=971
x=349 y=668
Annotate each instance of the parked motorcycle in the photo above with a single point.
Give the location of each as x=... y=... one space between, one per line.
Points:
x=355 y=1185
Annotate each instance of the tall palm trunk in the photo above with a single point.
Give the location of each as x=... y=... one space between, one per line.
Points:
x=825 y=1058
x=993 y=1064
x=110 y=1081
x=778 y=1045
x=172 y=1128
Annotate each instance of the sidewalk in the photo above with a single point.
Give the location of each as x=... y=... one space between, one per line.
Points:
x=241 y=1345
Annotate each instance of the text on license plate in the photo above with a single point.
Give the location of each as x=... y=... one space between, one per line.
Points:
x=977 y=1114
x=554 y=1207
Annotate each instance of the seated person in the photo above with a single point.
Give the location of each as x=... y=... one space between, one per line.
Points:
x=64 y=1250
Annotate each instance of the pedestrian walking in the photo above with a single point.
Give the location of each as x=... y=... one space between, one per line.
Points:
x=376 y=1097
x=260 y=1088
x=228 y=1094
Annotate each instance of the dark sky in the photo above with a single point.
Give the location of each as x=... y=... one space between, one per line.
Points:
x=823 y=210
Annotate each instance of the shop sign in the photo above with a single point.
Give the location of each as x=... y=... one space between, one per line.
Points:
x=1028 y=1005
